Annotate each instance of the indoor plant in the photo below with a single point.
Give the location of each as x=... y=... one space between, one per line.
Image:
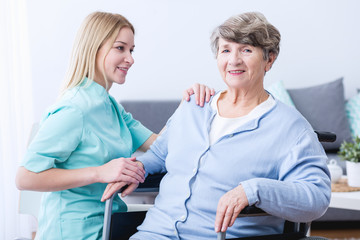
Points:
x=350 y=151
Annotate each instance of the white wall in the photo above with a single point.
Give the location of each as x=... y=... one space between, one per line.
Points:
x=320 y=42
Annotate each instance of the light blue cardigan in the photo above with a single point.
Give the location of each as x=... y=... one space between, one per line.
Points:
x=277 y=158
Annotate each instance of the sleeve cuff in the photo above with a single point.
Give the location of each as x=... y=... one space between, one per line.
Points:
x=251 y=192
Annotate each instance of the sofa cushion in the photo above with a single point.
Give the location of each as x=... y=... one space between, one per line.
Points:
x=324 y=107
x=279 y=92
x=352 y=107
x=152 y=114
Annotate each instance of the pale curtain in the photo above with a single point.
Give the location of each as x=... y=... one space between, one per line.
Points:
x=15 y=108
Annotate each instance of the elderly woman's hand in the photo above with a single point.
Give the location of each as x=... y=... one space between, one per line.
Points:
x=229 y=207
x=202 y=93
x=112 y=188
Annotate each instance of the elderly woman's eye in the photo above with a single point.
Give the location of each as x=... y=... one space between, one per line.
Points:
x=247 y=51
x=225 y=51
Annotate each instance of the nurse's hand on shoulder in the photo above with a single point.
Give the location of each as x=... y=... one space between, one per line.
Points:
x=121 y=170
x=113 y=187
x=229 y=207
x=202 y=93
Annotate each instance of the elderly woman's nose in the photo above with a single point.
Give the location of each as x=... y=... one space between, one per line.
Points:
x=235 y=58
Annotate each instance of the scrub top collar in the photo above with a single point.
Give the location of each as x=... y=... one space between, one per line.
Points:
x=94 y=87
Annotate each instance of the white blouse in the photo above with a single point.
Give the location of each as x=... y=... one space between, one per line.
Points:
x=221 y=126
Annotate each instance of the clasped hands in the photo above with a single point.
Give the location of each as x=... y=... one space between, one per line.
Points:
x=132 y=173
x=122 y=172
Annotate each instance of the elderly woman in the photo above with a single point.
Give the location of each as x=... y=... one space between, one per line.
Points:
x=245 y=148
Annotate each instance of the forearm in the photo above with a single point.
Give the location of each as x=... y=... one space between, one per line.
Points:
x=55 y=179
x=152 y=163
x=292 y=200
x=146 y=145
x=154 y=159
x=301 y=189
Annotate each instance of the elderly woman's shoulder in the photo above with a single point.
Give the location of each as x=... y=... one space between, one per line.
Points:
x=290 y=113
x=285 y=107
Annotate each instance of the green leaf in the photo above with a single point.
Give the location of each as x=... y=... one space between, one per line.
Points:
x=350 y=151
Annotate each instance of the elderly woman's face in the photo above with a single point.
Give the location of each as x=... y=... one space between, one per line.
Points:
x=241 y=65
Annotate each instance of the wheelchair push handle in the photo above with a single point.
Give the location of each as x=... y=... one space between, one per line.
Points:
x=326 y=136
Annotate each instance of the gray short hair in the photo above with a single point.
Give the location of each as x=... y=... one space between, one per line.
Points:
x=248 y=28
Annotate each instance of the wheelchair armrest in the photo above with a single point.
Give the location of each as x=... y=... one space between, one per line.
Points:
x=151 y=183
x=252 y=211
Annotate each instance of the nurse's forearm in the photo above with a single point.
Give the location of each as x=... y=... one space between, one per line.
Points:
x=55 y=179
x=146 y=145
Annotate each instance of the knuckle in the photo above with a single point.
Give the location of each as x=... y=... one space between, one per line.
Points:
x=228 y=214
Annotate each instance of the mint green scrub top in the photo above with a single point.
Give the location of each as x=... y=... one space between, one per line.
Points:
x=86 y=128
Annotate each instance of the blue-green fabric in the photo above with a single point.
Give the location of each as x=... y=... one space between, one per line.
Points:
x=86 y=128
x=279 y=92
x=353 y=114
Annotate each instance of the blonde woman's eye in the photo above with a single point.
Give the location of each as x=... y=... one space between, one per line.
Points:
x=121 y=48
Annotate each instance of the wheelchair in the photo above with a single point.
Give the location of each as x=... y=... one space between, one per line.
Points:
x=122 y=225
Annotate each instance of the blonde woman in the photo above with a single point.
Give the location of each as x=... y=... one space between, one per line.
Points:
x=86 y=138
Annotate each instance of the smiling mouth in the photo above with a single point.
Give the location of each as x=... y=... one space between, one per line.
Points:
x=122 y=68
x=236 y=71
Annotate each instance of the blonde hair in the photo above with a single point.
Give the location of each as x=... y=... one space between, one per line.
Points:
x=97 y=28
x=248 y=28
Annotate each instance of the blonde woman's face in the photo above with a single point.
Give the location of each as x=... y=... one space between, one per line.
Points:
x=117 y=62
